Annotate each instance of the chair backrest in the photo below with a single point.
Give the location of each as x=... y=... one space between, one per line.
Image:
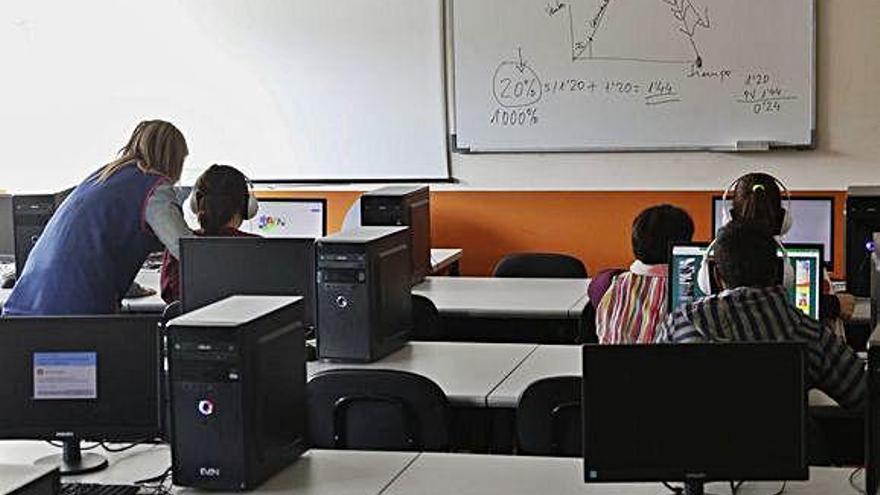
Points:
x=377 y=410
x=540 y=265
x=427 y=324
x=548 y=417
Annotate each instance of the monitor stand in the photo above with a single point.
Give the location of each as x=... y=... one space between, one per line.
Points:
x=73 y=461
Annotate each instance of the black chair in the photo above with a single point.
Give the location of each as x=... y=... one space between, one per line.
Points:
x=377 y=410
x=427 y=324
x=548 y=417
x=540 y=265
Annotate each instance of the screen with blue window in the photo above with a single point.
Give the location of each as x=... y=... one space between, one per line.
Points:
x=805 y=259
x=65 y=375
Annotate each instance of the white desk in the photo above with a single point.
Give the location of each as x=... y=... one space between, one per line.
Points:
x=318 y=472
x=547 y=361
x=462 y=474
x=466 y=372
x=443 y=258
x=566 y=360
x=506 y=297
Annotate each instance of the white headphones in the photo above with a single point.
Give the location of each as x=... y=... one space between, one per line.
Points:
x=704 y=278
x=787 y=220
x=250 y=211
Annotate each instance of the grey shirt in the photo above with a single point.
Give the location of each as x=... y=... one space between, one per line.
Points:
x=165 y=217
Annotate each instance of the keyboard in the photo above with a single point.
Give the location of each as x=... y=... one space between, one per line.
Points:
x=97 y=489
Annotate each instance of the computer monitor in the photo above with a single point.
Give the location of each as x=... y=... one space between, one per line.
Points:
x=872 y=416
x=813 y=222
x=214 y=268
x=806 y=260
x=694 y=413
x=80 y=378
x=7 y=234
x=289 y=218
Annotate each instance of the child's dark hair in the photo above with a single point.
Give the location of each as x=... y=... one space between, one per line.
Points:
x=656 y=228
x=746 y=256
x=221 y=192
x=757 y=200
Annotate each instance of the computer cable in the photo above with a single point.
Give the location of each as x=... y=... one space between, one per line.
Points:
x=677 y=490
x=157 y=485
x=782 y=490
x=126 y=447
x=735 y=486
x=61 y=445
x=852 y=480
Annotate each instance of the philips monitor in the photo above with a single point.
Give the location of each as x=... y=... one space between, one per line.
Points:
x=694 y=413
x=214 y=268
x=806 y=261
x=813 y=222
x=80 y=378
x=289 y=218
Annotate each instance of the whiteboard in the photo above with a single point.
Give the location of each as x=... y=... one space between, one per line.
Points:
x=284 y=89
x=534 y=75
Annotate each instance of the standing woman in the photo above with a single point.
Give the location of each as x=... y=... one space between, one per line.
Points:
x=97 y=240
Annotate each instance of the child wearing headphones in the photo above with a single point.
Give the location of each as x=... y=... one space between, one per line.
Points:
x=221 y=200
x=754 y=307
x=634 y=302
x=756 y=199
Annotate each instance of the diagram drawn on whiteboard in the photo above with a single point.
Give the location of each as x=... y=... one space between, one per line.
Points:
x=587 y=21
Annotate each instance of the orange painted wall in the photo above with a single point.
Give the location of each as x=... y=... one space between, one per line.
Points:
x=594 y=226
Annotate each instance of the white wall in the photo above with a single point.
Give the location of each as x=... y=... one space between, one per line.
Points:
x=848 y=125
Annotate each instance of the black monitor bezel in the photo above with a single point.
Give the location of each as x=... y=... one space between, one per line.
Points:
x=640 y=474
x=323 y=202
x=106 y=432
x=828 y=264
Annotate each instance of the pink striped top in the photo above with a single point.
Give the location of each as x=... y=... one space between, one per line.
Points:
x=633 y=306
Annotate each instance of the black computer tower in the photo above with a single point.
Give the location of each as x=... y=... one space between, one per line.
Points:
x=30 y=214
x=403 y=205
x=364 y=299
x=237 y=391
x=862 y=220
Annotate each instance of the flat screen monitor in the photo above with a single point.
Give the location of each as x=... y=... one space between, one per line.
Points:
x=289 y=218
x=872 y=416
x=7 y=234
x=806 y=260
x=813 y=222
x=80 y=378
x=694 y=413
x=214 y=268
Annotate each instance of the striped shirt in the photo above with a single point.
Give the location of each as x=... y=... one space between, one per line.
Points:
x=749 y=315
x=633 y=306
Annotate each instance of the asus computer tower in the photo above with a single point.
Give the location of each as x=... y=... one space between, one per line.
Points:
x=403 y=206
x=862 y=220
x=364 y=299
x=237 y=391
x=30 y=214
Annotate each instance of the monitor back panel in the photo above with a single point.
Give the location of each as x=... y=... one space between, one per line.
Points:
x=213 y=268
x=703 y=411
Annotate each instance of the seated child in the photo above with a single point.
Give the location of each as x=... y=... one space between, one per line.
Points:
x=754 y=307
x=635 y=301
x=221 y=199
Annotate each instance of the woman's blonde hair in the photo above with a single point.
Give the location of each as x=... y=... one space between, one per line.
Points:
x=155 y=146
